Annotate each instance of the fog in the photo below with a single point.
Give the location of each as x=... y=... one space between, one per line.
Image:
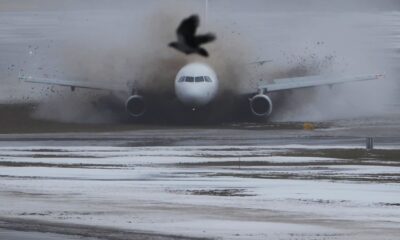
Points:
x=121 y=42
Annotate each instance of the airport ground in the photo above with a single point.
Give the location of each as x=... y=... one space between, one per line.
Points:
x=231 y=181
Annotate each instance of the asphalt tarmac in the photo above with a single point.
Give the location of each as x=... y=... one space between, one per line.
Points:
x=241 y=181
x=6 y=234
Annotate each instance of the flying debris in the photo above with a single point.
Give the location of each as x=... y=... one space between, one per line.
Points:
x=196 y=93
x=261 y=62
x=188 y=42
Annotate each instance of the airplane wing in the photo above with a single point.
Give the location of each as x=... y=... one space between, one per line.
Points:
x=75 y=84
x=312 y=81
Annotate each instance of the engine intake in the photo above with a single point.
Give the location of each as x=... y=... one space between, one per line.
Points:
x=261 y=105
x=135 y=106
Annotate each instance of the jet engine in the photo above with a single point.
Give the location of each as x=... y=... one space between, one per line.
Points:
x=261 y=105
x=135 y=106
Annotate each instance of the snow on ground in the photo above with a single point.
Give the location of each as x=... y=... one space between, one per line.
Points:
x=203 y=191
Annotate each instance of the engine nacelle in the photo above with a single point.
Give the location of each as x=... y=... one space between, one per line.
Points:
x=261 y=105
x=135 y=106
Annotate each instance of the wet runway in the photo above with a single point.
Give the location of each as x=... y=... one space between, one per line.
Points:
x=10 y=234
x=207 y=183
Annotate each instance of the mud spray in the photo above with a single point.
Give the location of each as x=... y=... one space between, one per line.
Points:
x=129 y=47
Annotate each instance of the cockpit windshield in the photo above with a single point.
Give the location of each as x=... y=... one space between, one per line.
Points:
x=199 y=79
x=195 y=79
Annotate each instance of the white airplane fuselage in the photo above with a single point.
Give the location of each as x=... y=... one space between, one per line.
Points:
x=196 y=85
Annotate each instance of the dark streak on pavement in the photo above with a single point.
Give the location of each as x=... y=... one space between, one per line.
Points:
x=85 y=231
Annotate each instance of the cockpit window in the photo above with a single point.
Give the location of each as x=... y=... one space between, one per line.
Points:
x=195 y=79
x=208 y=79
x=199 y=79
x=189 y=79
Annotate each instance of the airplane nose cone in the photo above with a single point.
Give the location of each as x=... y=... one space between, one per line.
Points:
x=194 y=97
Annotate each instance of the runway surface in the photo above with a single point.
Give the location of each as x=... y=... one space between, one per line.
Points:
x=207 y=183
x=10 y=234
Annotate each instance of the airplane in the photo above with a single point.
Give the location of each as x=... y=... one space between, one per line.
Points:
x=197 y=85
